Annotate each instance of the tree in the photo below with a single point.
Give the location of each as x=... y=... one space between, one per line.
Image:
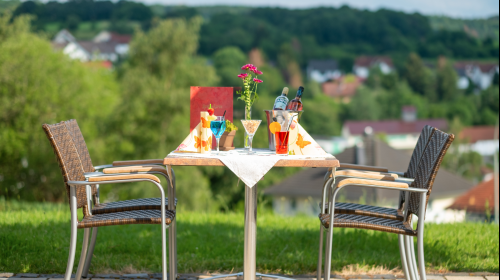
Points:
x=227 y=62
x=418 y=76
x=446 y=82
x=38 y=85
x=154 y=113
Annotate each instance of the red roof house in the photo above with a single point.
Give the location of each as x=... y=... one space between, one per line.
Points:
x=476 y=199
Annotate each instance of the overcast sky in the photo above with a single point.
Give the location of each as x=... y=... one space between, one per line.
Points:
x=455 y=8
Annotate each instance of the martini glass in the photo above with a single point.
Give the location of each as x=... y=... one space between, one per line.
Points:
x=218 y=126
x=251 y=127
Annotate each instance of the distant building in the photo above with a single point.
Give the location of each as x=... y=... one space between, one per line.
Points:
x=323 y=70
x=478 y=203
x=399 y=134
x=481 y=74
x=342 y=89
x=364 y=64
x=301 y=193
x=480 y=139
x=106 y=46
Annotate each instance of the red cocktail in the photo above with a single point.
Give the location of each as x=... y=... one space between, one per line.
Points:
x=282 y=142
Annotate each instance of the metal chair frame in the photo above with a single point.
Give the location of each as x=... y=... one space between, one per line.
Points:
x=405 y=242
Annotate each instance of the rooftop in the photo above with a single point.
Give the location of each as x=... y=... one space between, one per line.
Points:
x=478 y=133
x=369 y=61
x=394 y=126
x=475 y=200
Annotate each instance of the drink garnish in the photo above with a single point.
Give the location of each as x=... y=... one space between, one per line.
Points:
x=275 y=127
x=211 y=111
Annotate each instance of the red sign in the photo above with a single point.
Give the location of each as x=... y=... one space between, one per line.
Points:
x=221 y=99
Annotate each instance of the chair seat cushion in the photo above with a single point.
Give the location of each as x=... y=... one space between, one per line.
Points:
x=370 y=211
x=126 y=218
x=370 y=223
x=130 y=205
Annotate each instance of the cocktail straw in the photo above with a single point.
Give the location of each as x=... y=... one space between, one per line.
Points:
x=224 y=114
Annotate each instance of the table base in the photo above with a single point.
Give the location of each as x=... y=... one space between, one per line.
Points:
x=242 y=274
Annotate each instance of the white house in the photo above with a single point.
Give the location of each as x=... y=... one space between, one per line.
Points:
x=364 y=64
x=106 y=46
x=323 y=70
x=481 y=74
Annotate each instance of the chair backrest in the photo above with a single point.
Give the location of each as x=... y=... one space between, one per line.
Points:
x=423 y=140
x=428 y=168
x=81 y=147
x=83 y=152
x=68 y=159
x=425 y=136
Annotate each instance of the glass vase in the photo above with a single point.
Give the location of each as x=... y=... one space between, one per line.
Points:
x=248 y=116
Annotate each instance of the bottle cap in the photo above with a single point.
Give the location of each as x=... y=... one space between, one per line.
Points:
x=285 y=91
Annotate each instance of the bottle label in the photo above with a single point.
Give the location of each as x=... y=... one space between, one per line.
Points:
x=281 y=103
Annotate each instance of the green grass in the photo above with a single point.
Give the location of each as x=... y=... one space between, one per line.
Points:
x=34 y=237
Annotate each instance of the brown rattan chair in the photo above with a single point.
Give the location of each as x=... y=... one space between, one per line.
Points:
x=79 y=191
x=126 y=167
x=418 y=192
x=379 y=173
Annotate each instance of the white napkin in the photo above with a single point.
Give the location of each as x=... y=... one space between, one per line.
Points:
x=249 y=168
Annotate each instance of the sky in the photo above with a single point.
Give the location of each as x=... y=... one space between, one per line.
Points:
x=454 y=8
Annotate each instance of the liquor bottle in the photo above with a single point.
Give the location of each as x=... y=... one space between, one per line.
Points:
x=282 y=100
x=296 y=104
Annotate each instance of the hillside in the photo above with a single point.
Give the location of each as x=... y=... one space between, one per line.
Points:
x=478 y=28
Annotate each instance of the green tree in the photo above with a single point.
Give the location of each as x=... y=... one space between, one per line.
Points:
x=38 y=85
x=446 y=83
x=364 y=105
x=227 y=62
x=418 y=76
x=154 y=113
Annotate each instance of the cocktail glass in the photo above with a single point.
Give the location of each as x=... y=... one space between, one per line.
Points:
x=282 y=142
x=218 y=126
x=251 y=127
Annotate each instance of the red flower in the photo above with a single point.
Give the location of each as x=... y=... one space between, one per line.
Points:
x=257 y=72
x=258 y=81
x=247 y=67
x=243 y=76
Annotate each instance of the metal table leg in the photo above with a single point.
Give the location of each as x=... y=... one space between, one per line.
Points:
x=250 y=256
x=250 y=263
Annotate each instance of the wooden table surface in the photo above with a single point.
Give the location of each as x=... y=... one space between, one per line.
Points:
x=285 y=162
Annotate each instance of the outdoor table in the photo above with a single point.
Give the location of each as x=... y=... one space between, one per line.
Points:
x=250 y=244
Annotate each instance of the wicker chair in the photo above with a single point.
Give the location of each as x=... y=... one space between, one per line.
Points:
x=79 y=191
x=126 y=167
x=417 y=191
x=379 y=173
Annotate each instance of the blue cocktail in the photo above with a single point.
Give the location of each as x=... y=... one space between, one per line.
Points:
x=218 y=127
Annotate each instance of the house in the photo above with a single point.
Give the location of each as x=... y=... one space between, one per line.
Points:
x=301 y=193
x=323 y=70
x=342 y=89
x=478 y=203
x=106 y=46
x=399 y=134
x=481 y=74
x=364 y=64
x=480 y=139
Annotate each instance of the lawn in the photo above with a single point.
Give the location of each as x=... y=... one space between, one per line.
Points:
x=34 y=237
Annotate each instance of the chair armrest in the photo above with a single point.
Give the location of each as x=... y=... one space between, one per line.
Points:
x=401 y=174
x=364 y=167
x=358 y=181
x=123 y=177
x=99 y=167
x=138 y=162
x=365 y=175
x=135 y=169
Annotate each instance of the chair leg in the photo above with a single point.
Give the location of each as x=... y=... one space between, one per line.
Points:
x=420 y=236
x=171 y=251
x=74 y=232
x=409 y=259
x=328 y=256
x=414 y=261
x=320 y=254
x=402 y=253
x=90 y=254
x=83 y=255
